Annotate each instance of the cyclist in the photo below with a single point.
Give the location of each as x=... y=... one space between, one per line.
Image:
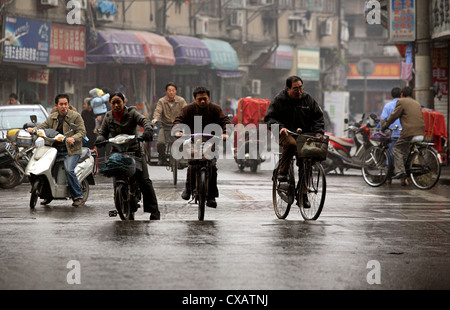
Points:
x=210 y=113
x=167 y=108
x=396 y=126
x=293 y=108
x=124 y=120
x=410 y=113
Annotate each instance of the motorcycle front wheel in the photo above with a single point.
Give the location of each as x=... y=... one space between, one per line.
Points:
x=122 y=202
x=35 y=192
x=15 y=178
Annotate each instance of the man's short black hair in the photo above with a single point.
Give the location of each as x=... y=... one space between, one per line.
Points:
x=200 y=90
x=396 y=92
x=61 y=96
x=171 y=84
x=13 y=95
x=292 y=79
x=407 y=91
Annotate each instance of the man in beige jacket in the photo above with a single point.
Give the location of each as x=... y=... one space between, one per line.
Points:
x=410 y=113
x=167 y=109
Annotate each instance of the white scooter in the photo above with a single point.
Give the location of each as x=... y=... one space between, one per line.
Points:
x=46 y=170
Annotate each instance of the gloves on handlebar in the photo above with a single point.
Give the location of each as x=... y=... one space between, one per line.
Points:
x=147 y=135
x=100 y=139
x=383 y=128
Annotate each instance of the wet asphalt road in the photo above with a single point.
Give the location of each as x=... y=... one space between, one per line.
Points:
x=391 y=237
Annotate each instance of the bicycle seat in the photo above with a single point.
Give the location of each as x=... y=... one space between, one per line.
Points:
x=343 y=141
x=416 y=139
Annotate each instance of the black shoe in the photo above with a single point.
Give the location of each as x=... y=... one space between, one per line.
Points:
x=306 y=203
x=186 y=194
x=282 y=177
x=155 y=216
x=211 y=203
x=399 y=175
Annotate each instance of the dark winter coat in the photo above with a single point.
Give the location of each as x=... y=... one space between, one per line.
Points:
x=303 y=113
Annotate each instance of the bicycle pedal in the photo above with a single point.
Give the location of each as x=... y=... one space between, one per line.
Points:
x=112 y=213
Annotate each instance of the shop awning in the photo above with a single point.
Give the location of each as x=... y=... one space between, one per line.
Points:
x=158 y=51
x=189 y=50
x=115 y=46
x=223 y=55
x=282 y=58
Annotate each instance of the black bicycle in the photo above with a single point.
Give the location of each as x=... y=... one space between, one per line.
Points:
x=200 y=168
x=422 y=164
x=311 y=186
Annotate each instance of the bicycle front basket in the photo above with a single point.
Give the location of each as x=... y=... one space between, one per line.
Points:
x=117 y=164
x=310 y=146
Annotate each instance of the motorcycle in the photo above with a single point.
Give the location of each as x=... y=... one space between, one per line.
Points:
x=346 y=153
x=46 y=170
x=15 y=153
x=247 y=154
x=122 y=166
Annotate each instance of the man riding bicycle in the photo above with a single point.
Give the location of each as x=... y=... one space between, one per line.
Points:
x=167 y=109
x=210 y=113
x=293 y=108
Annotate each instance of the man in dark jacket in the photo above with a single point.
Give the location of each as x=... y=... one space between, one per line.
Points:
x=293 y=108
x=124 y=120
x=210 y=113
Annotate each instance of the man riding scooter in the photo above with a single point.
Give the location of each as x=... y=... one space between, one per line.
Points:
x=71 y=148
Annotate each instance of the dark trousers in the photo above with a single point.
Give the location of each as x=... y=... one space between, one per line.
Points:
x=147 y=190
x=213 y=190
x=289 y=149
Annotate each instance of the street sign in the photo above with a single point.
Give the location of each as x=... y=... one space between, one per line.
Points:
x=365 y=67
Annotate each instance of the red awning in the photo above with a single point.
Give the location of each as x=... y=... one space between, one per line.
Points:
x=158 y=51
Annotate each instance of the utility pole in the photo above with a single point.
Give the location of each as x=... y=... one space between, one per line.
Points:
x=423 y=70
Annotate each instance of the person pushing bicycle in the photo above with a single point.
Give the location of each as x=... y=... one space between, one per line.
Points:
x=293 y=108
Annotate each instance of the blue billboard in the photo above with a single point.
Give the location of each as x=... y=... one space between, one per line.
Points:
x=26 y=40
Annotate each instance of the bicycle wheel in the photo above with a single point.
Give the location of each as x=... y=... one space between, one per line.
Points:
x=283 y=193
x=202 y=191
x=376 y=166
x=313 y=185
x=122 y=202
x=424 y=168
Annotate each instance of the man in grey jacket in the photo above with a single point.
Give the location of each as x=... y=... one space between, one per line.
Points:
x=410 y=113
x=167 y=109
x=71 y=149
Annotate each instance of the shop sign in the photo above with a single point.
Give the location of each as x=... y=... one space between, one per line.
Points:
x=308 y=64
x=67 y=46
x=402 y=20
x=27 y=40
x=38 y=76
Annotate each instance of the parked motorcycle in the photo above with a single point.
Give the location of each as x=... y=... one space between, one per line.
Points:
x=46 y=170
x=346 y=153
x=11 y=171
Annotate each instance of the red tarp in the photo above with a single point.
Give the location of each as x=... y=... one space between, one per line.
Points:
x=434 y=127
x=250 y=111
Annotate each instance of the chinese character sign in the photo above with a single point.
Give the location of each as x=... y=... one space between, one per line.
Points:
x=27 y=40
x=402 y=20
x=439 y=59
x=67 y=46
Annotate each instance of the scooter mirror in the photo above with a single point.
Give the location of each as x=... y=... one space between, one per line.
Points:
x=33 y=118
